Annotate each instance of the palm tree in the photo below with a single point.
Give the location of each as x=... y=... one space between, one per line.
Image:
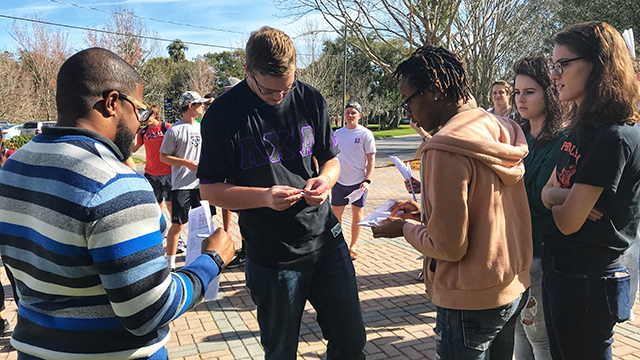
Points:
x=176 y=50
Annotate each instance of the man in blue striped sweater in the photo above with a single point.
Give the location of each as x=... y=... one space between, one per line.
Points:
x=81 y=232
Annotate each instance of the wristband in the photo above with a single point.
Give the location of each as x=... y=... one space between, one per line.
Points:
x=367 y=181
x=216 y=257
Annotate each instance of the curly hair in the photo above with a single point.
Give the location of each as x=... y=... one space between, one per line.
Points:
x=3 y=152
x=612 y=89
x=537 y=68
x=430 y=65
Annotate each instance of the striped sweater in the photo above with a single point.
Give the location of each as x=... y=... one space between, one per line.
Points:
x=81 y=233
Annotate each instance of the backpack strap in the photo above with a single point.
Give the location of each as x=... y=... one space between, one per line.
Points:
x=163 y=127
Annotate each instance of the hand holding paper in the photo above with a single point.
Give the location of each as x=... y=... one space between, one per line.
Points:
x=379 y=214
x=405 y=170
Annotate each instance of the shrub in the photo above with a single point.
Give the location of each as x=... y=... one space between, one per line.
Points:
x=18 y=141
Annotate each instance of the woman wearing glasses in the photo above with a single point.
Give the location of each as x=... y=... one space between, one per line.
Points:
x=594 y=193
x=536 y=98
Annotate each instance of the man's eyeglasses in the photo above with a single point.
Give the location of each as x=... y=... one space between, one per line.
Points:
x=405 y=104
x=267 y=92
x=558 y=67
x=143 y=112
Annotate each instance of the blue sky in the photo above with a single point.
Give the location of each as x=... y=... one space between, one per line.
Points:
x=241 y=16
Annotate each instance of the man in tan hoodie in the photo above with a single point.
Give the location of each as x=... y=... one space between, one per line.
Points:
x=475 y=228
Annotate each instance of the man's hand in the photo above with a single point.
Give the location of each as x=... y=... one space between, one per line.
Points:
x=221 y=243
x=389 y=228
x=365 y=186
x=415 y=183
x=410 y=208
x=316 y=191
x=281 y=197
x=192 y=165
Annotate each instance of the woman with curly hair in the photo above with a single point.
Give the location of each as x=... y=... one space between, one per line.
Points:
x=594 y=193
x=536 y=98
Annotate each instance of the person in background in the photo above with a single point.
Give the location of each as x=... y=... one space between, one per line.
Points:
x=593 y=193
x=475 y=229
x=357 y=160
x=86 y=252
x=501 y=94
x=181 y=149
x=4 y=155
x=157 y=173
x=536 y=98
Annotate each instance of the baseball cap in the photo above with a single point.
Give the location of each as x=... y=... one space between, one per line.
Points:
x=231 y=82
x=190 y=97
x=354 y=105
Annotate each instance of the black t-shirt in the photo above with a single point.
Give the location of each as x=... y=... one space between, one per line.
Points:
x=606 y=157
x=248 y=142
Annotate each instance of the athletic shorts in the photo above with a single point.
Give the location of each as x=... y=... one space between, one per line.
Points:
x=182 y=201
x=161 y=185
x=339 y=192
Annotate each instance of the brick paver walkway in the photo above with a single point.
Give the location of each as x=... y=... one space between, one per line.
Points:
x=398 y=317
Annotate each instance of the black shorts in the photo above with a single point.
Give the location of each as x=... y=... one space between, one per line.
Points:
x=339 y=192
x=161 y=185
x=182 y=201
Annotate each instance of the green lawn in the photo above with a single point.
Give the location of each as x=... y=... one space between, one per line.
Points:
x=401 y=130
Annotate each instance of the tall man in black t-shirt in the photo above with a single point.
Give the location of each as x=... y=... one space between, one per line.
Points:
x=259 y=142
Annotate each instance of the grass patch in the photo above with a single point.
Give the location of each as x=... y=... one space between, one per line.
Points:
x=138 y=161
x=381 y=134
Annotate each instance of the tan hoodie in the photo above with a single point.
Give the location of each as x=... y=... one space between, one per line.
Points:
x=476 y=228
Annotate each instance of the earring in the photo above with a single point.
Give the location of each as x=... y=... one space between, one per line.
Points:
x=435 y=98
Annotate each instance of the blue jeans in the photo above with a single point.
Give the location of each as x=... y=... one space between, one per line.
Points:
x=532 y=341
x=581 y=308
x=477 y=334
x=329 y=284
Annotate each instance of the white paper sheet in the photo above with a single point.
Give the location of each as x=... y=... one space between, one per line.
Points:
x=355 y=195
x=200 y=223
x=405 y=170
x=379 y=214
x=627 y=35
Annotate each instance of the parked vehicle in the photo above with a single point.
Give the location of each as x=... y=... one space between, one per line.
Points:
x=4 y=123
x=8 y=132
x=35 y=127
x=405 y=121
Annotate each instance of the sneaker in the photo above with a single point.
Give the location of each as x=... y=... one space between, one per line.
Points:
x=181 y=247
x=239 y=259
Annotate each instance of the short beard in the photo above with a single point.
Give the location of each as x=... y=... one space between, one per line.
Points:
x=124 y=138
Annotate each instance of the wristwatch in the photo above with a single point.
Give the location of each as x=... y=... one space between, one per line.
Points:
x=368 y=181
x=216 y=257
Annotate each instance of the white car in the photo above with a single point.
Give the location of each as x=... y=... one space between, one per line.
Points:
x=35 y=127
x=8 y=132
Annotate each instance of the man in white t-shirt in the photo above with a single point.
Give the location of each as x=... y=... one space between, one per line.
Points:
x=181 y=149
x=357 y=159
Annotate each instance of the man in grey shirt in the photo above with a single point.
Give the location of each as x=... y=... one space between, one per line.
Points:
x=181 y=149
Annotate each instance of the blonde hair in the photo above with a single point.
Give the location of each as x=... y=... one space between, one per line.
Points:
x=270 y=51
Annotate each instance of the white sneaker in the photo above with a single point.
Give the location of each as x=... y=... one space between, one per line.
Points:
x=181 y=247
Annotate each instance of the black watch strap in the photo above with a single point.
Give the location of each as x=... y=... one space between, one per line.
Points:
x=368 y=181
x=216 y=257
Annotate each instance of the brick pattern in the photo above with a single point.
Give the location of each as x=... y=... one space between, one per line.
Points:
x=399 y=318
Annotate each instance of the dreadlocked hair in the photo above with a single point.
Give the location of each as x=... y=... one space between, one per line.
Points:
x=430 y=65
